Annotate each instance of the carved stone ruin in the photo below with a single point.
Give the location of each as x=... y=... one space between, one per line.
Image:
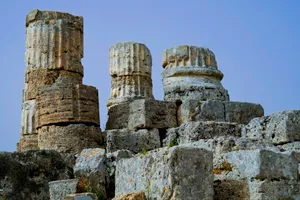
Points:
x=130 y=68
x=191 y=72
x=194 y=145
x=53 y=93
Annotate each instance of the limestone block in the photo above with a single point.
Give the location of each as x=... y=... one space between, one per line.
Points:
x=256 y=189
x=69 y=139
x=59 y=189
x=28 y=118
x=112 y=159
x=194 y=131
x=142 y=114
x=279 y=128
x=167 y=173
x=274 y=189
x=64 y=102
x=134 y=141
x=132 y=196
x=54 y=40
x=263 y=164
x=220 y=111
x=191 y=72
x=45 y=77
x=81 y=196
x=91 y=165
x=29 y=142
x=242 y=112
x=130 y=69
x=25 y=175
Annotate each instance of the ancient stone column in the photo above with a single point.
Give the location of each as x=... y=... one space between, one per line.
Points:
x=54 y=47
x=58 y=111
x=191 y=72
x=130 y=69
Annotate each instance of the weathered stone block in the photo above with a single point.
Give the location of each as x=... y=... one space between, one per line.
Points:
x=142 y=114
x=26 y=175
x=91 y=165
x=70 y=139
x=81 y=196
x=264 y=164
x=135 y=141
x=54 y=40
x=191 y=72
x=132 y=196
x=274 y=189
x=112 y=159
x=29 y=142
x=220 y=111
x=59 y=189
x=167 y=173
x=279 y=128
x=64 y=102
x=45 y=77
x=194 y=131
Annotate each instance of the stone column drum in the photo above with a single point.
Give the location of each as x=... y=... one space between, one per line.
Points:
x=191 y=72
x=130 y=69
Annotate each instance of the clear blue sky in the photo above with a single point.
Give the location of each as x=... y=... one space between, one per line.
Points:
x=257 y=45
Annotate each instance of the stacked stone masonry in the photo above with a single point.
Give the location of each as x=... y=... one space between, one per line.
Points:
x=194 y=145
x=54 y=97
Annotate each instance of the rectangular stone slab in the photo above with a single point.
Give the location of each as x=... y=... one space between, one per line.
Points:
x=135 y=141
x=59 y=189
x=219 y=111
x=167 y=173
x=142 y=114
x=279 y=128
x=263 y=164
x=195 y=131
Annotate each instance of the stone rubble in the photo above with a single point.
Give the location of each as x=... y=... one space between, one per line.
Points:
x=194 y=145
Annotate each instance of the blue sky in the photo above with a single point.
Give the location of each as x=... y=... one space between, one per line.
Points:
x=256 y=43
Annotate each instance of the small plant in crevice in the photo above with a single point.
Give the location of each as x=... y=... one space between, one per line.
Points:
x=173 y=143
x=85 y=186
x=148 y=189
x=145 y=151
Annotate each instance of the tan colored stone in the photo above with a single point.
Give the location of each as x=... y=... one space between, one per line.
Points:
x=69 y=139
x=45 y=77
x=64 y=102
x=132 y=196
x=28 y=142
x=191 y=72
x=130 y=69
x=188 y=56
x=54 y=40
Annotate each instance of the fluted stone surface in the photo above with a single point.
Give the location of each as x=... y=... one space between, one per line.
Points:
x=191 y=72
x=130 y=69
x=54 y=40
x=64 y=102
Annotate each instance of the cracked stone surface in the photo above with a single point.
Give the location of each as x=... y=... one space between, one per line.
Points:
x=191 y=72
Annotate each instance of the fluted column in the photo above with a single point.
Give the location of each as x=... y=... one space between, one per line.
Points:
x=130 y=69
x=191 y=72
